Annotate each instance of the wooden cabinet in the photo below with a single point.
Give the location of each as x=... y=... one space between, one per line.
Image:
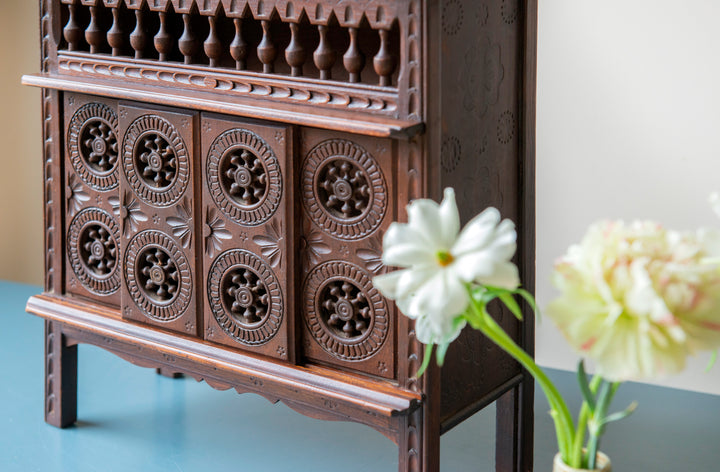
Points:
x=219 y=176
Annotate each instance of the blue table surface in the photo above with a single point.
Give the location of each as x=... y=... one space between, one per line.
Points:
x=131 y=419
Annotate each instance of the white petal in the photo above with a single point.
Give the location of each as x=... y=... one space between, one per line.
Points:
x=437 y=331
x=449 y=219
x=424 y=217
x=483 y=268
x=505 y=276
x=473 y=265
x=401 y=240
x=412 y=280
x=477 y=233
x=443 y=295
x=407 y=255
x=387 y=283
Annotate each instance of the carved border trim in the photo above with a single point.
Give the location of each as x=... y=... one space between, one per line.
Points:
x=379 y=13
x=296 y=92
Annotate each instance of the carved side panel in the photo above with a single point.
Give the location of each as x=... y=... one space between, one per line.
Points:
x=480 y=156
x=346 y=183
x=52 y=152
x=247 y=222
x=92 y=231
x=156 y=210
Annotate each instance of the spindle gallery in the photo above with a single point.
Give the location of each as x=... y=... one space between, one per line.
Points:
x=218 y=177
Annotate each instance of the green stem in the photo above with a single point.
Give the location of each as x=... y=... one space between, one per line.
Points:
x=577 y=449
x=561 y=414
x=607 y=392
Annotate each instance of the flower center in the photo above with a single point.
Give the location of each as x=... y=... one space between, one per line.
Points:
x=445 y=258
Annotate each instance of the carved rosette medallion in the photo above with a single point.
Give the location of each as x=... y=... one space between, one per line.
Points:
x=155 y=161
x=245 y=297
x=93 y=250
x=158 y=276
x=345 y=314
x=343 y=189
x=244 y=177
x=93 y=145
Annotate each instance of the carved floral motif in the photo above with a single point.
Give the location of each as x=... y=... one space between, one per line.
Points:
x=344 y=190
x=371 y=255
x=182 y=224
x=93 y=145
x=244 y=177
x=92 y=248
x=76 y=195
x=158 y=276
x=344 y=313
x=271 y=243
x=483 y=73
x=129 y=211
x=314 y=248
x=245 y=297
x=214 y=232
x=155 y=160
x=453 y=15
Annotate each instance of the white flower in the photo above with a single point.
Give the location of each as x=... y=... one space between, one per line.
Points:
x=438 y=261
x=638 y=299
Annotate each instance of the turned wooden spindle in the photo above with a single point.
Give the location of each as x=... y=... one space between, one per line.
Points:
x=187 y=43
x=213 y=46
x=239 y=48
x=72 y=31
x=324 y=56
x=266 y=50
x=138 y=38
x=383 y=61
x=162 y=40
x=115 y=36
x=295 y=52
x=93 y=34
x=354 y=60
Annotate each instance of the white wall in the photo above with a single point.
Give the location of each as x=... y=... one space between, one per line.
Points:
x=628 y=120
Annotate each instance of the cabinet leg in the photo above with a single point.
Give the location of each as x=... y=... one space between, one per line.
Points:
x=60 y=378
x=514 y=429
x=419 y=444
x=165 y=372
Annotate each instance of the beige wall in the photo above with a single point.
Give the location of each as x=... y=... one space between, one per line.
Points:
x=627 y=128
x=21 y=237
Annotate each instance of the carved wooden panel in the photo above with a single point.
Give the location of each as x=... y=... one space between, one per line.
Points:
x=247 y=227
x=92 y=231
x=346 y=183
x=478 y=156
x=156 y=206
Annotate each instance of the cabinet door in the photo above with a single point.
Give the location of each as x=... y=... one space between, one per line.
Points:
x=247 y=221
x=346 y=183
x=91 y=182
x=157 y=212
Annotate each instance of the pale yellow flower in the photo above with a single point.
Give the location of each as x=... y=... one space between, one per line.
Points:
x=638 y=299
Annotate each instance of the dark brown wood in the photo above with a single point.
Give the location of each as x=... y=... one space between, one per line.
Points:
x=169 y=373
x=218 y=211
x=60 y=378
